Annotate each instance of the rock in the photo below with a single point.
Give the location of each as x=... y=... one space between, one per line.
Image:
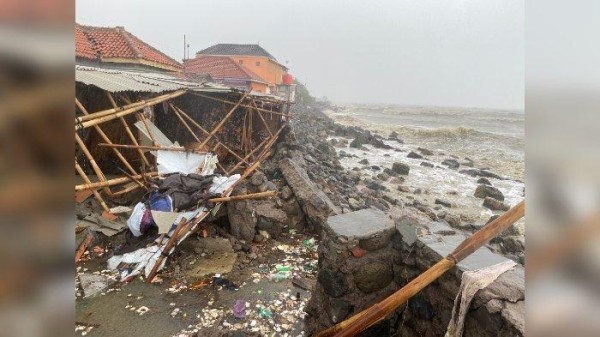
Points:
x=375 y=168
x=383 y=176
x=354 y=204
x=259 y=238
x=393 y=135
x=286 y=193
x=451 y=163
x=334 y=283
x=356 y=143
x=426 y=164
x=376 y=242
x=495 y=205
x=488 y=174
x=513 y=244
x=357 y=251
x=484 y=181
x=373 y=276
x=425 y=151
x=403 y=188
x=443 y=203
x=400 y=168
x=258 y=178
x=93 y=284
x=315 y=204
x=453 y=220
x=338 y=310
x=364 y=161
x=414 y=155
x=483 y=191
x=241 y=219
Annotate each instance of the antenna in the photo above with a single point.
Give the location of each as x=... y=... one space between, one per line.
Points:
x=184 y=44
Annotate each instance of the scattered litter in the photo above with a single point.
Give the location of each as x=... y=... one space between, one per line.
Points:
x=239 y=309
x=265 y=313
x=120 y=209
x=309 y=243
x=109 y=216
x=223 y=282
x=142 y=310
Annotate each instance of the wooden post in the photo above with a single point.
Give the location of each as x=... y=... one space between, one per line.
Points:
x=128 y=130
x=150 y=148
x=220 y=124
x=250 y=154
x=88 y=181
x=371 y=315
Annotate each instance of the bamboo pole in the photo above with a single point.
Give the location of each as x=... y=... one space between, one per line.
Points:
x=128 y=130
x=250 y=154
x=150 y=148
x=114 y=110
x=128 y=111
x=371 y=315
x=111 y=182
x=106 y=139
x=166 y=250
x=224 y=119
x=92 y=161
x=259 y=195
x=185 y=124
x=242 y=105
x=88 y=181
x=206 y=132
x=261 y=118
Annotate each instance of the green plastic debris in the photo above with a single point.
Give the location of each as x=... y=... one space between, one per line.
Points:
x=309 y=243
x=265 y=313
x=280 y=268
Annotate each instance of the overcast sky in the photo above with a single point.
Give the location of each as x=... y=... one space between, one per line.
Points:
x=418 y=52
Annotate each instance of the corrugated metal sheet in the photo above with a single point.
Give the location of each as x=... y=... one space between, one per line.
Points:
x=116 y=80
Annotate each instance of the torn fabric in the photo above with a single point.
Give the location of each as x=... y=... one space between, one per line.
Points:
x=472 y=281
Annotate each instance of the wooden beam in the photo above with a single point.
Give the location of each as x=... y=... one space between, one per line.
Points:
x=92 y=161
x=88 y=181
x=150 y=148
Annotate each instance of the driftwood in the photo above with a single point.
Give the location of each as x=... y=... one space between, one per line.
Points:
x=371 y=315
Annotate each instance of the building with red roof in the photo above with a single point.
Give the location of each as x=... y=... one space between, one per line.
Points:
x=115 y=45
x=225 y=70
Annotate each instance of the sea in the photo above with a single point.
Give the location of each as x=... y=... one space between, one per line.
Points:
x=491 y=138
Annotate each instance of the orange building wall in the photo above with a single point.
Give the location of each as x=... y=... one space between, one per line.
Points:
x=267 y=70
x=259 y=87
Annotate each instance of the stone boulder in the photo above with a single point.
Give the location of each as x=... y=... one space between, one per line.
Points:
x=414 y=155
x=374 y=276
x=316 y=205
x=483 y=191
x=241 y=219
x=451 y=163
x=495 y=205
x=400 y=168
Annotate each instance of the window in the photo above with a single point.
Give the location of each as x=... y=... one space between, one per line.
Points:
x=257 y=63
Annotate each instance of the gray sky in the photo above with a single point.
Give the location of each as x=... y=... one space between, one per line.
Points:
x=422 y=52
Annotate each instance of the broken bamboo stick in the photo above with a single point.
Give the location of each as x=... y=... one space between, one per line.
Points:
x=150 y=148
x=128 y=111
x=261 y=118
x=224 y=119
x=128 y=130
x=88 y=181
x=206 y=132
x=92 y=161
x=259 y=195
x=241 y=105
x=106 y=139
x=112 y=182
x=373 y=314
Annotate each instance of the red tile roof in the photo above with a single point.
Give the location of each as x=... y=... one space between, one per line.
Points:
x=116 y=43
x=220 y=67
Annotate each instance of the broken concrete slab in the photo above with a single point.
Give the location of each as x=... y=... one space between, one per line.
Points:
x=316 y=205
x=360 y=224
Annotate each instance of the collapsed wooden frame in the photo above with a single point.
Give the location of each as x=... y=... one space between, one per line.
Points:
x=248 y=154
